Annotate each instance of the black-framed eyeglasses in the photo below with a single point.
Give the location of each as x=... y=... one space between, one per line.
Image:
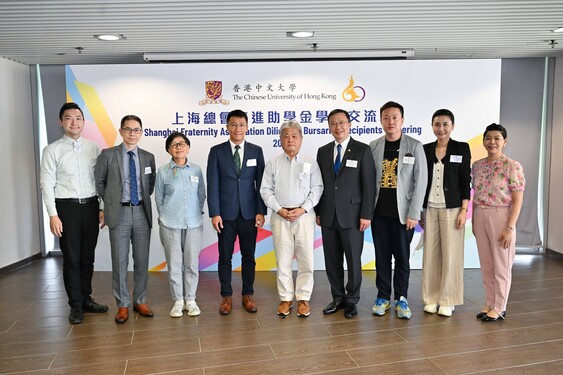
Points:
x=180 y=144
x=132 y=130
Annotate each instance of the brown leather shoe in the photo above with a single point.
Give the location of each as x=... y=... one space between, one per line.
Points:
x=226 y=305
x=303 y=309
x=284 y=307
x=143 y=309
x=249 y=304
x=122 y=315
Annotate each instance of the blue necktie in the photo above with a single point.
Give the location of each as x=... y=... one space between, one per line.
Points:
x=133 y=192
x=337 y=160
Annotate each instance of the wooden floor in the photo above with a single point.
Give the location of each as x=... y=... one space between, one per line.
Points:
x=35 y=336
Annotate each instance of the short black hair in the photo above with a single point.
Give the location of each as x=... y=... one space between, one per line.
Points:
x=495 y=127
x=444 y=112
x=337 y=111
x=173 y=136
x=237 y=113
x=130 y=117
x=68 y=106
x=392 y=105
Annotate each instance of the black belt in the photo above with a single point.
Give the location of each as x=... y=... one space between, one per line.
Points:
x=290 y=208
x=131 y=204
x=77 y=200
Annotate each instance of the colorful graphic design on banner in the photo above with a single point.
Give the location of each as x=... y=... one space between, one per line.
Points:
x=195 y=99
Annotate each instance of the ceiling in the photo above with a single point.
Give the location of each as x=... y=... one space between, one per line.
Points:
x=52 y=31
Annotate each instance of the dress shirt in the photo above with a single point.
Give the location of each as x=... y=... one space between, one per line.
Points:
x=344 y=148
x=67 y=171
x=436 y=197
x=180 y=195
x=240 y=151
x=126 y=197
x=494 y=182
x=292 y=183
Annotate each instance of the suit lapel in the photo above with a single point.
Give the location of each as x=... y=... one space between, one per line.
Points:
x=229 y=156
x=142 y=164
x=120 y=165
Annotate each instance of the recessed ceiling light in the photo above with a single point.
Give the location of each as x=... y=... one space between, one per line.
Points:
x=558 y=30
x=300 y=34
x=110 y=37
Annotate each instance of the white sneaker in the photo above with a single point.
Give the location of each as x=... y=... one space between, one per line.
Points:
x=446 y=310
x=192 y=308
x=176 y=311
x=432 y=308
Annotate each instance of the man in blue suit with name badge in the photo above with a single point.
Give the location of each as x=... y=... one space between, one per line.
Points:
x=234 y=175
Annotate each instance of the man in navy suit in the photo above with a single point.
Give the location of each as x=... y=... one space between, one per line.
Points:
x=234 y=174
x=345 y=210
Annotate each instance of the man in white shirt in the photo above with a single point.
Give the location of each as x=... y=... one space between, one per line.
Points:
x=291 y=187
x=69 y=194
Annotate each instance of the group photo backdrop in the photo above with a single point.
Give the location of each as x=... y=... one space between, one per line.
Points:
x=195 y=99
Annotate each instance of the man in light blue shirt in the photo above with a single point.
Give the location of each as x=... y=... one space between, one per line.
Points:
x=291 y=187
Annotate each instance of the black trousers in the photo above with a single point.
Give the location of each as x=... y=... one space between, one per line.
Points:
x=78 y=244
x=340 y=243
x=246 y=232
x=391 y=239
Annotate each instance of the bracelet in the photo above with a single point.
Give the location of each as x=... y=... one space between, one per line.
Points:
x=464 y=209
x=510 y=227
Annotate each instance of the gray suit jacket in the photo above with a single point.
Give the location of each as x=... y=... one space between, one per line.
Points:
x=109 y=182
x=411 y=178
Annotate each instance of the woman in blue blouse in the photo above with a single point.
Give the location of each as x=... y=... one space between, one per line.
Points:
x=180 y=195
x=445 y=211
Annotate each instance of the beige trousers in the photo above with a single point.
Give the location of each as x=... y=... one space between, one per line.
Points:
x=294 y=240
x=442 y=262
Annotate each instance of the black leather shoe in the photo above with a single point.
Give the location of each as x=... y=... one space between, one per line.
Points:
x=350 y=310
x=76 y=316
x=94 y=307
x=500 y=316
x=481 y=315
x=333 y=307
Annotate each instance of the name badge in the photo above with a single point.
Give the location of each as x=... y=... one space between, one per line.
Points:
x=251 y=163
x=408 y=160
x=352 y=163
x=455 y=158
x=148 y=170
x=306 y=168
x=194 y=178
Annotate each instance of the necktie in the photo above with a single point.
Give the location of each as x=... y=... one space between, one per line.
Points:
x=236 y=158
x=133 y=192
x=338 y=158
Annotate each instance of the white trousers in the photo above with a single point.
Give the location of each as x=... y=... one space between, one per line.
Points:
x=182 y=248
x=294 y=240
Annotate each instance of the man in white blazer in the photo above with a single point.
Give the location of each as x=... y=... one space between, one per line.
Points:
x=401 y=178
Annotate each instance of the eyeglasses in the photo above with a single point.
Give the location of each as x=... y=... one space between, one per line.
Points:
x=181 y=144
x=131 y=130
x=340 y=124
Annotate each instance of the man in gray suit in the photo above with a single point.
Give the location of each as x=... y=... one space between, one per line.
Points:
x=401 y=178
x=345 y=210
x=125 y=178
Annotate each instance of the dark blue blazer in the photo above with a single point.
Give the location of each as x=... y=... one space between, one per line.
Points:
x=349 y=194
x=228 y=193
x=457 y=176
